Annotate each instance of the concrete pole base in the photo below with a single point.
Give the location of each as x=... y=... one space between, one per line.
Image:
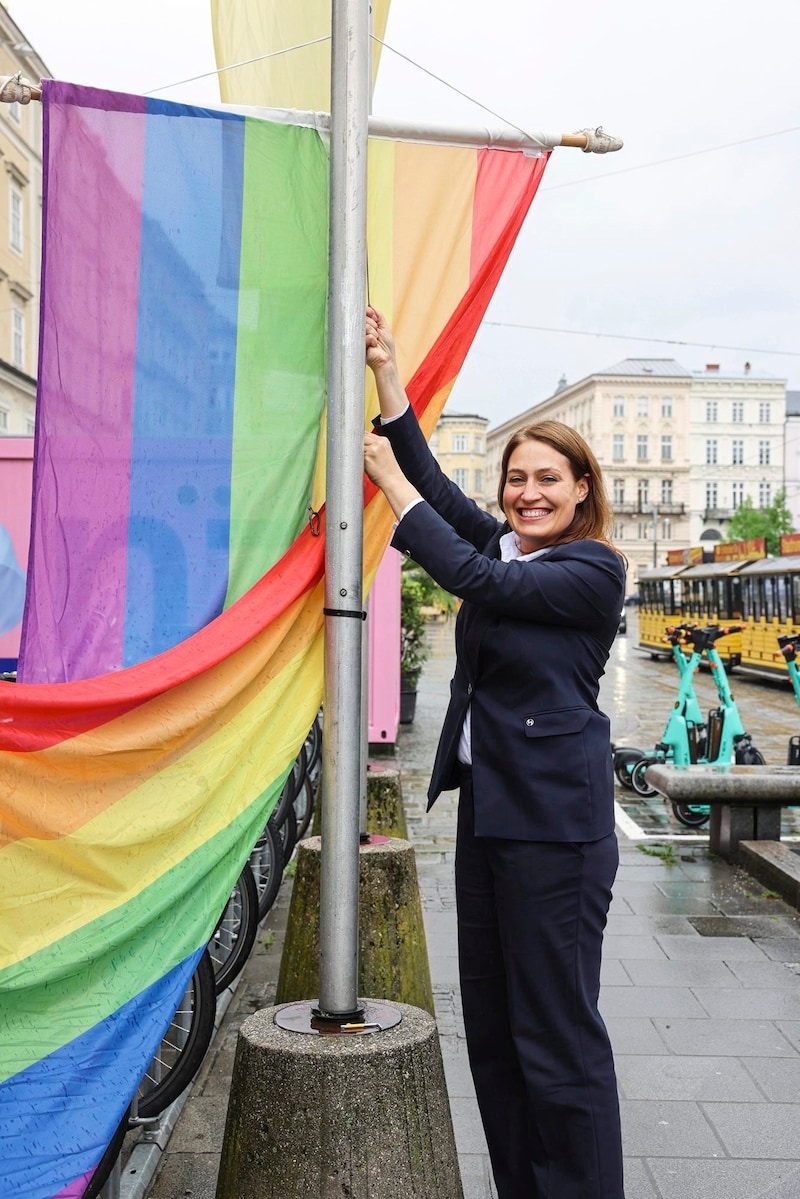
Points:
x=392 y=950
x=385 y=813
x=335 y=1116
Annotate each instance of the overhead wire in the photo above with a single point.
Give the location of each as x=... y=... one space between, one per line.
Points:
x=667 y=341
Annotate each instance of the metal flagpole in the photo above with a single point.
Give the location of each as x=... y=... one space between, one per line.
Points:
x=339 y=862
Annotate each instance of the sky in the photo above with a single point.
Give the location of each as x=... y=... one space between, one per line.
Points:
x=689 y=234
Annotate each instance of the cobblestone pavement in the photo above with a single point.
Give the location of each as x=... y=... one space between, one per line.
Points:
x=700 y=983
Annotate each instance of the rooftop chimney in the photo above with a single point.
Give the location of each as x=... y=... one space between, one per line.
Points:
x=712 y=366
x=747 y=368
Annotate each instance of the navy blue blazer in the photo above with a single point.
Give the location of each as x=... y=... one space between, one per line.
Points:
x=532 y=641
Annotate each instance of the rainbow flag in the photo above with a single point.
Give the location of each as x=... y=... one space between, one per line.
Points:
x=130 y=800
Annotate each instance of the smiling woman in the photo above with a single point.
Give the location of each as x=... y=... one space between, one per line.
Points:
x=526 y=745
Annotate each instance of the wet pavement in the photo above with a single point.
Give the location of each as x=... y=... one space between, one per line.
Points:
x=700 y=982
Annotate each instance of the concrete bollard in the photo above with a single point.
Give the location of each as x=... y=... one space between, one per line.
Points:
x=392 y=950
x=327 y=1116
x=385 y=813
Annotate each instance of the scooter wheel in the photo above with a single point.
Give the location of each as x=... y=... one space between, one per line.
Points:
x=690 y=816
x=638 y=781
x=750 y=756
x=624 y=759
x=623 y=775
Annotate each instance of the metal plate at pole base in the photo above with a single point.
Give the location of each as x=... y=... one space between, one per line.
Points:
x=304 y=1017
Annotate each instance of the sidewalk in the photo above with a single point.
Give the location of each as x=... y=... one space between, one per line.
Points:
x=700 y=991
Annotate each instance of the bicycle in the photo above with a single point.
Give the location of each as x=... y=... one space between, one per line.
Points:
x=687 y=739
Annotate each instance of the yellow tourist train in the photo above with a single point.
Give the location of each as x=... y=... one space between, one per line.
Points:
x=742 y=586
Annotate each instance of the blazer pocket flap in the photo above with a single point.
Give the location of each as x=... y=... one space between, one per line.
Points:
x=556 y=724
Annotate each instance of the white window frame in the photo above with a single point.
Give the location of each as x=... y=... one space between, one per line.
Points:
x=666 y=447
x=4 y=414
x=642 y=447
x=737 y=495
x=765 y=413
x=764 y=495
x=737 y=451
x=642 y=405
x=16 y=211
x=712 y=451
x=18 y=337
x=667 y=491
x=618 y=447
x=618 y=492
x=666 y=407
x=619 y=406
x=712 y=496
x=764 y=453
x=461 y=477
x=712 y=411
x=737 y=412
x=460 y=443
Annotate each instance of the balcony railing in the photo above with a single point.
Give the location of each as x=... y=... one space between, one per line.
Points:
x=638 y=508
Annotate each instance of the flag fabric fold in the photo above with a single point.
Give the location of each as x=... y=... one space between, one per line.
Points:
x=174 y=579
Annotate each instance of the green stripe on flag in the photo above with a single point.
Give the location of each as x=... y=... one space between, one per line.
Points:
x=280 y=358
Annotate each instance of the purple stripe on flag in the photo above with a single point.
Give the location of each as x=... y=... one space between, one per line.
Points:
x=87 y=356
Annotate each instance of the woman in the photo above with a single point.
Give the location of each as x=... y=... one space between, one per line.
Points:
x=524 y=741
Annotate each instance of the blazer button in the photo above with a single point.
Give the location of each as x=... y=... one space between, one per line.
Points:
x=530 y=720
x=469 y=688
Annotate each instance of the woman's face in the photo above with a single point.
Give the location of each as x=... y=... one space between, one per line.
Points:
x=540 y=494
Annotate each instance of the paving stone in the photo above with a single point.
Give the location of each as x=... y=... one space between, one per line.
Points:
x=659 y=1128
x=679 y=973
x=750 y=1003
x=723 y=948
x=627 y=925
x=467 y=1126
x=778 y=1078
x=756 y=1130
x=476 y=1176
x=632 y=947
x=766 y=974
x=650 y=1001
x=781 y=949
x=653 y=902
x=725 y=1038
x=459 y=1076
x=693 y=1078
x=635 y=1035
x=613 y=974
x=638 y=1182
x=723 y=1179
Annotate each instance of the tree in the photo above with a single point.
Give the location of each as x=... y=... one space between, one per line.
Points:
x=749 y=522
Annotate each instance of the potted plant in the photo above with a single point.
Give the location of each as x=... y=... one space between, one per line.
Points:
x=414 y=649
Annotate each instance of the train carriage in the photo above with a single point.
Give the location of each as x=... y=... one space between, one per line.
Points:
x=712 y=594
x=770 y=609
x=660 y=605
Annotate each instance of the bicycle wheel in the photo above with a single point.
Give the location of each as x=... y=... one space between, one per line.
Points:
x=638 y=781
x=236 y=931
x=749 y=756
x=304 y=807
x=287 y=835
x=291 y=787
x=106 y=1163
x=266 y=861
x=313 y=745
x=689 y=815
x=184 y=1045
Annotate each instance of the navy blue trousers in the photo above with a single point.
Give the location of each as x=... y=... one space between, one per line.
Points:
x=531 y=916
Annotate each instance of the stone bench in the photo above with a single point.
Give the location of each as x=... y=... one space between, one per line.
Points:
x=745 y=801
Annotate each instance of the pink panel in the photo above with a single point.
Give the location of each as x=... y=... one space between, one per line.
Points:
x=384 y=651
x=16 y=472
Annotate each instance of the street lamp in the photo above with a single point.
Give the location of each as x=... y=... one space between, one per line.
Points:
x=655 y=535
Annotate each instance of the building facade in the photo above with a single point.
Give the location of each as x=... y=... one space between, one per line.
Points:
x=20 y=235
x=459 y=446
x=737 y=445
x=791 y=455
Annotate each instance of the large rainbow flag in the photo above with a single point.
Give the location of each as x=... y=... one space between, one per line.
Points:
x=169 y=387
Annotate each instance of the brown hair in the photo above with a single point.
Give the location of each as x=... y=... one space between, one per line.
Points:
x=593 y=517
